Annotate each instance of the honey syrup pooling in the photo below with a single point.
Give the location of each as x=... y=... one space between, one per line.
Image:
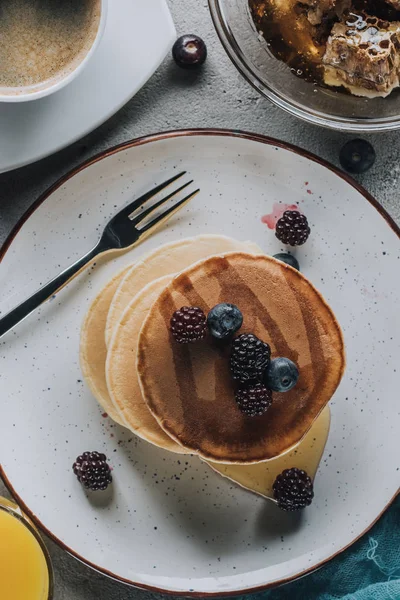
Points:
x=306 y=455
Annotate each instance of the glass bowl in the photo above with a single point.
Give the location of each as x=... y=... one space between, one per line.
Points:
x=274 y=80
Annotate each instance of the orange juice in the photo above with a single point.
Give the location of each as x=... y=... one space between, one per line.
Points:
x=24 y=573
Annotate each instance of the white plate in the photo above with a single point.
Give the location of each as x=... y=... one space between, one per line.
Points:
x=169 y=522
x=137 y=37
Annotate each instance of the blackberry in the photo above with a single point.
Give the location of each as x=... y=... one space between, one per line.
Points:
x=249 y=357
x=92 y=471
x=188 y=324
x=293 y=489
x=292 y=228
x=253 y=399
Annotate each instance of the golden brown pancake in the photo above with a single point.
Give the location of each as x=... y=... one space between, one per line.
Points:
x=121 y=374
x=167 y=259
x=93 y=349
x=189 y=388
x=259 y=478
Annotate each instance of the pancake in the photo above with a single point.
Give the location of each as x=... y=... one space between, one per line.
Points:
x=122 y=380
x=167 y=259
x=121 y=375
x=93 y=351
x=189 y=388
x=259 y=478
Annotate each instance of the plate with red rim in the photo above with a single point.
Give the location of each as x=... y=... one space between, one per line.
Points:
x=168 y=523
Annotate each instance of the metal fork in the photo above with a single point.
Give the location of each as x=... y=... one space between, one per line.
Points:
x=122 y=232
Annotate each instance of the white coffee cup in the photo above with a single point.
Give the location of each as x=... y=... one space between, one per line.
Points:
x=60 y=78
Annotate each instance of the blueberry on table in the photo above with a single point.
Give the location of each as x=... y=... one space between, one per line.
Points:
x=281 y=375
x=357 y=156
x=288 y=259
x=224 y=320
x=189 y=51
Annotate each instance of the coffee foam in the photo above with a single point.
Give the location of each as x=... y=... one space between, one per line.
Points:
x=44 y=40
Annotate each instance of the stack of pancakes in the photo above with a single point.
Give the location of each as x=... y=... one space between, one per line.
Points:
x=181 y=397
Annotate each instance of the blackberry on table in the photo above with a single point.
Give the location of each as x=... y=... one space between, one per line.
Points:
x=188 y=324
x=93 y=471
x=250 y=356
x=253 y=399
x=293 y=489
x=292 y=228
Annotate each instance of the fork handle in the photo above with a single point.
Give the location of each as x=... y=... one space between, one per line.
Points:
x=24 y=309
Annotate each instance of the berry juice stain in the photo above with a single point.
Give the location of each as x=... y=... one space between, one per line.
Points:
x=278 y=209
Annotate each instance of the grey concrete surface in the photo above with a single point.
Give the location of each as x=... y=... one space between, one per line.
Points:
x=216 y=97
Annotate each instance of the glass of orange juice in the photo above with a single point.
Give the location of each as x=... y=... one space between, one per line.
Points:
x=25 y=567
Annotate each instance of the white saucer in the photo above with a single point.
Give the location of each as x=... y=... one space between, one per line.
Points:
x=138 y=35
x=168 y=522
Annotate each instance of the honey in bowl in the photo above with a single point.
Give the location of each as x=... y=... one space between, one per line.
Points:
x=353 y=45
x=24 y=567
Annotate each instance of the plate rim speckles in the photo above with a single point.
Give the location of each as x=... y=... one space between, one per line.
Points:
x=147 y=140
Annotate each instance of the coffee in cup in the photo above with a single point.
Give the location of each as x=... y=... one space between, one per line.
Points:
x=43 y=42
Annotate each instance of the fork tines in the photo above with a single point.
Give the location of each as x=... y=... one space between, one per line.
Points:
x=139 y=204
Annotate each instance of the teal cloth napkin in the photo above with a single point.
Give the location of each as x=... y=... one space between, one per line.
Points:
x=369 y=570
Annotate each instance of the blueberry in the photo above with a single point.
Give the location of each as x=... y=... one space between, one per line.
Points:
x=357 y=156
x=224 y=320
x=289 y=259
x=281 y=375
x=189 y=51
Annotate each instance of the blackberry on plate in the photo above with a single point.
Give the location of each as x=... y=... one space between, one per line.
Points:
x=253 y=399
x=188 y=324
x=293 y=489
x=250 y=357
x=288 y=259
x=281 y=375
x=292 y=228
x=357 y=156
x=93 y=471
x=189 y=51
x=224 y=320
